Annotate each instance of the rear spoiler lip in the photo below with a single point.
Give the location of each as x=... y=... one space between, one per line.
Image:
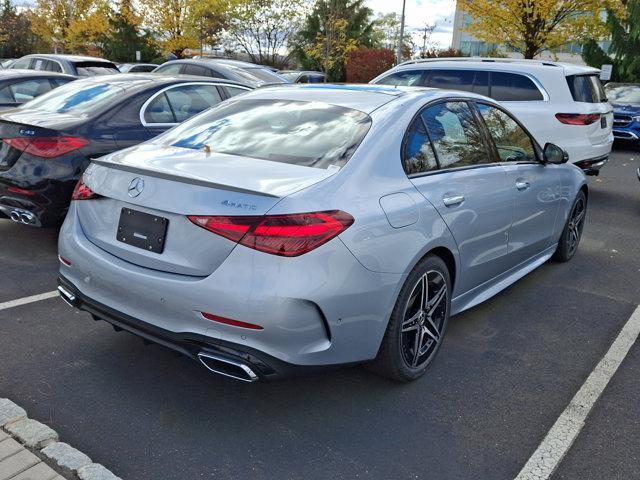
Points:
x=182 y=179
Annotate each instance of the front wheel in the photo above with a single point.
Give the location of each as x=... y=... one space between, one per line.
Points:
x=418 y=322
x=570 y=238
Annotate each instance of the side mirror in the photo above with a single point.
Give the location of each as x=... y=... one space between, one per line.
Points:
x=554 y=154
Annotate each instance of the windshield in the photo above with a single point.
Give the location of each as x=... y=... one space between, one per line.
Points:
x=627 y=94
x=91 y=69
x=82 y=98
x=310 y=134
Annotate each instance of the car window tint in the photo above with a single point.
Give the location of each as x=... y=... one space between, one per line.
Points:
x=22 y=63
x=452 y=79
x=303 y=79
x=456 y=136
x=316 y=78
x=38 y=64
x=417 y=155
x=25 y=91
x=233 y=91
x=308 y=134
x=6 y=96
x=586 y=88
x=481 y=83
x=195 y=70
x=405 y=78
x=512 y=87
x=173 y=68
x=512 y=142
x=159 y=111
x=188 y=100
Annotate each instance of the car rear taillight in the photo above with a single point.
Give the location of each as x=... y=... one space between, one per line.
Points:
x=82 y=192
x=46 y=147
x=578 y=118
x=230 y=321
x=285 y=235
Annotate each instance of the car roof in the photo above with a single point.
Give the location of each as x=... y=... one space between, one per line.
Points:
x=218 y=61
x=301 y=71
x=496 y=64
x=19 y=72
x=70 y=58
x=138 y=81
x=363 y=97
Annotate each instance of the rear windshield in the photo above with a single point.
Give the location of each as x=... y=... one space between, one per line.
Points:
x=586 y=88
x=258 y=76
x=77 y=98
x=310 y=134
x=91 y=69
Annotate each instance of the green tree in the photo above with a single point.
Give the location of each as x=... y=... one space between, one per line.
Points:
x=328 y=19
x=624 y=32
x=16 y=37
x=124 y=36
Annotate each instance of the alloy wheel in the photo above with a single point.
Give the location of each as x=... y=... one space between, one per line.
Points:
x=576 y=223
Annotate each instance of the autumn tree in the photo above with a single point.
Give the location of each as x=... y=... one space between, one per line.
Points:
x=332 y=30
x=386 y=31
x=70 y=25
x=264 y=28
x=173 y=22
x=16 y=37
x=533 y=26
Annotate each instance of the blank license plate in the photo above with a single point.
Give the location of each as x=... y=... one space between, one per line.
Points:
x=142 y=230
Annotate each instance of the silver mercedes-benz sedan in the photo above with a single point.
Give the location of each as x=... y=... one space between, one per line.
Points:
x=298 y=227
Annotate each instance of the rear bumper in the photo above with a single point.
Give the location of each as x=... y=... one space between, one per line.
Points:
x=592 y=166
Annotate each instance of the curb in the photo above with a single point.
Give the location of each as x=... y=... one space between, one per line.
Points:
x=43 y=442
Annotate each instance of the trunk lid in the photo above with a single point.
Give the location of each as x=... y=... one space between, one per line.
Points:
x=9 y=154
x=178 y=182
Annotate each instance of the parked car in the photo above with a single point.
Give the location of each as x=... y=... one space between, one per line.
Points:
x=137 y=67
x=76 y=65
x=20 y=86
x=560 y=103
x=306 y=226
x=625 y=99
x=48 y=142
x=244 y=72
x=7 y=62
x=303 y=76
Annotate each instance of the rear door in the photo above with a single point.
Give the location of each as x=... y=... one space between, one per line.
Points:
x=447 y=158
x=536 y=186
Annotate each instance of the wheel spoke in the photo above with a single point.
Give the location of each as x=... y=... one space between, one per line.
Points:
x=417 y=345
x=433 y=332
x=436 y=300
x=424 y=293
x=411 y=323
x=579 y=216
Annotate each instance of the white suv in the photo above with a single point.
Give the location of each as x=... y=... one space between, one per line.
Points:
x=559 y=103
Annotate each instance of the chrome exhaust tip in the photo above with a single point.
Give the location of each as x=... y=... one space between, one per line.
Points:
x=27 y=218
x=228 y=368
x=15 y=216
x=67 y=296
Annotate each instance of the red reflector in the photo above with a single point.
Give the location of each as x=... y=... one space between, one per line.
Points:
x=82 y=192
x=285 y=235
x=64 y=261
x=22 y=191
x=578 y=118
x=47 y=147
x=229 y=321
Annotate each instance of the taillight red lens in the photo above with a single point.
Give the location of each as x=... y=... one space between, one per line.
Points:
x=578 y=118
x=47 y=147
x=82 y=192
x=230 y=321
x=285 y=235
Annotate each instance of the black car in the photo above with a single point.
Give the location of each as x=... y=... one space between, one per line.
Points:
x=47 y=143
x=245 y=72
x=303 y=76
x=77 y=65
x=137 y=67
x=20 y=86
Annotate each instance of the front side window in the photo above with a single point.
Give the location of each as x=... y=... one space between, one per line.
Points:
x=82 y=97
x=406 y=78
x=22 y=63
x=513 y=87
x=25 y=91
x=455 y=134
x=233 y=91
x=512 y=142
x=310 y=134
x=189 y=100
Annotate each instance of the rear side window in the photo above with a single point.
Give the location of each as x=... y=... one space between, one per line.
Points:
x=159 y=111
x=25 y=91
x=452 y=79
x=92 y=69
x=195 y=70
x=455 y=135
x=513 y=87
x=141 y=68
x=173 y=68
x=233 y=91
x=309 y=134
x=586 y=88
x=313 y=78
x=6 y=96
x=512 y=142
x=52 y=66
x=405 y=78
x=417 y=155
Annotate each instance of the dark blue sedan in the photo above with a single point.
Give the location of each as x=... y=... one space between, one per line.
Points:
x=47 y=143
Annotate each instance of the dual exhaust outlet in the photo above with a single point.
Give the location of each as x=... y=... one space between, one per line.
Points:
x=23 y=216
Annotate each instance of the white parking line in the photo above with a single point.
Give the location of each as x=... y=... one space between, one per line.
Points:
x=31 y=299
x=558 y=441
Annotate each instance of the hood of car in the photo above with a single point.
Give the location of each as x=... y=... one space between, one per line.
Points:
x=626 y=109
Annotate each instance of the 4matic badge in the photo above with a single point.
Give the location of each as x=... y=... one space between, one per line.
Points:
x=244 y=206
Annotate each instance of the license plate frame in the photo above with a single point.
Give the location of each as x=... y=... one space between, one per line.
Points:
x=142 y=230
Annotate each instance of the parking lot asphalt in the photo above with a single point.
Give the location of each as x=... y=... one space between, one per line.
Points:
x=507 y=370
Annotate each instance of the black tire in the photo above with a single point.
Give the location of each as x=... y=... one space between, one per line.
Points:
x=396 y=358
x=572 y=233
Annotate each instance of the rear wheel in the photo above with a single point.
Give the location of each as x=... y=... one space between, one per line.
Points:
x=418 y=322
x=570 y=238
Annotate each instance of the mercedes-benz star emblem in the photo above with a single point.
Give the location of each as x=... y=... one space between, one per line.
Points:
x=135 y=187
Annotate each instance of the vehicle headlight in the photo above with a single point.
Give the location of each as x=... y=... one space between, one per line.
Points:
x=636 y=118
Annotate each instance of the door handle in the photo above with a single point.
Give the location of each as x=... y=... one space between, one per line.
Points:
x=522 y=185
x=454 y=200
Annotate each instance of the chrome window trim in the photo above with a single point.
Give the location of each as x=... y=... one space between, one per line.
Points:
x=163 y=90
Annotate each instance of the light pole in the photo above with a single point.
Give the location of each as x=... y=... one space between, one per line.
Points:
x=399 y=54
